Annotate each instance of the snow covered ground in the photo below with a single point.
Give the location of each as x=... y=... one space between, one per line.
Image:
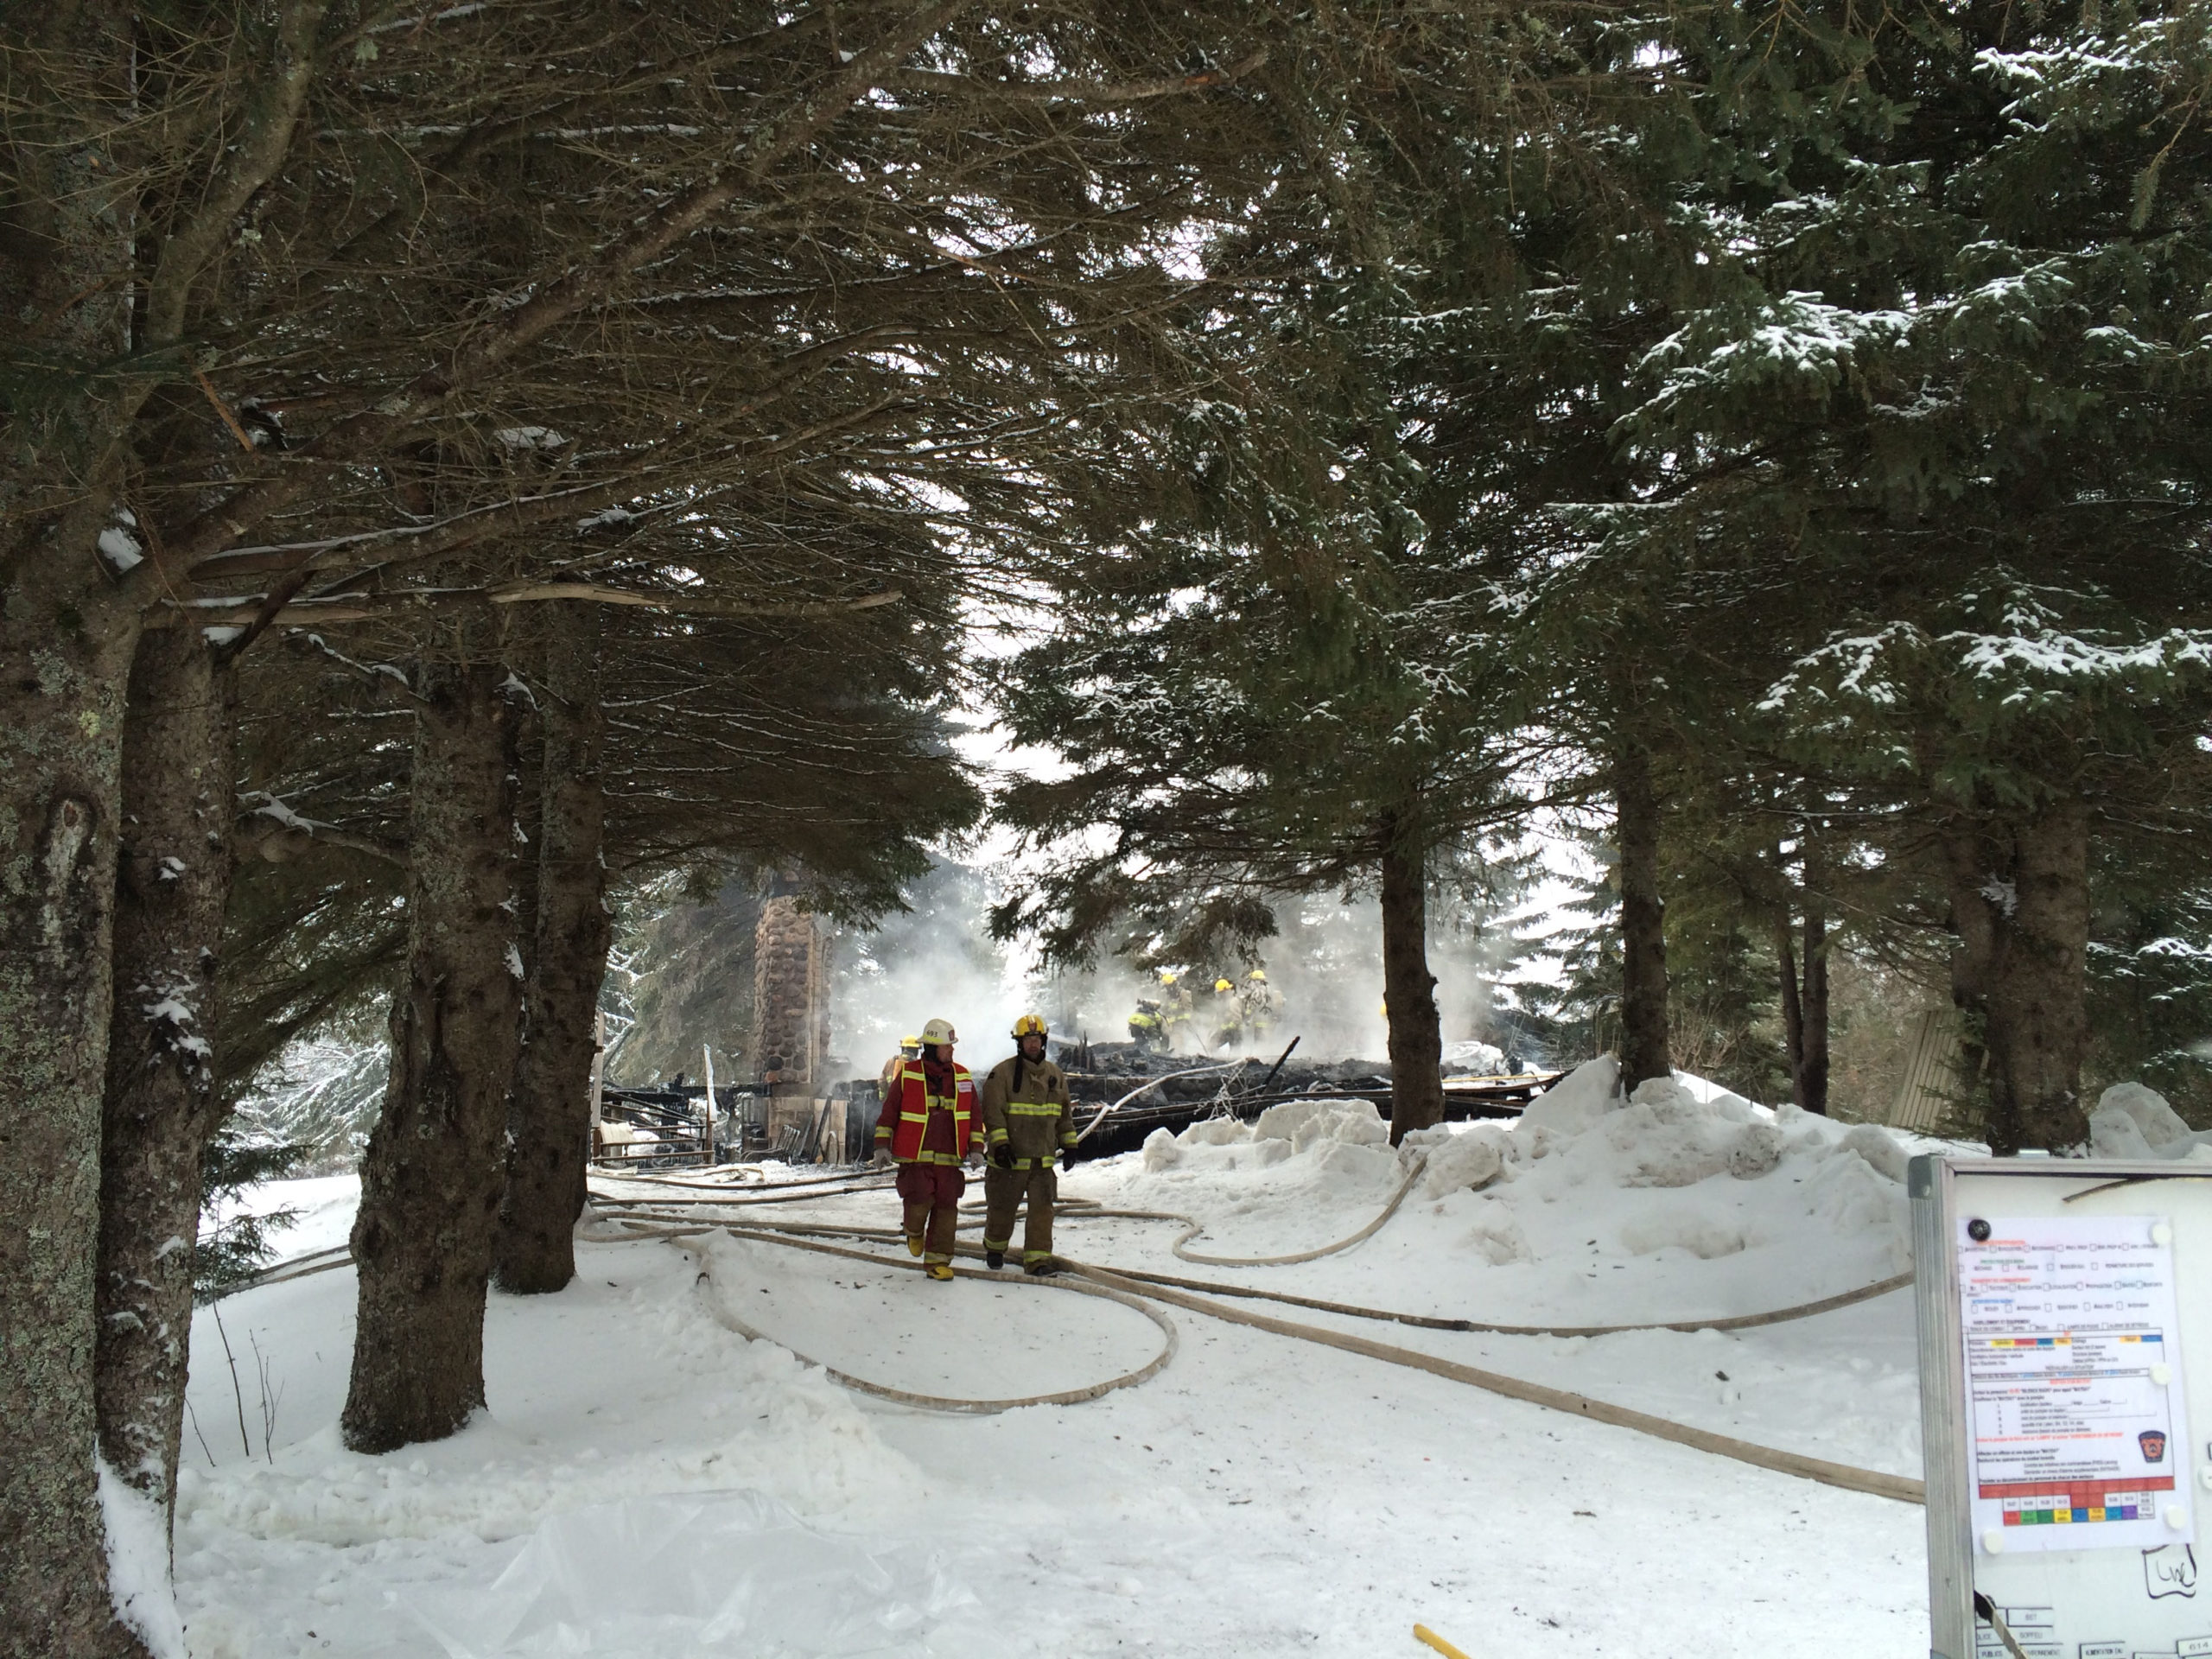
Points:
x=322 y=1207
x=647 y=1482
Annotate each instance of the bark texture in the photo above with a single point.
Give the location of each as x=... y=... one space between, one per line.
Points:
x=1416 y=1035
x=1644 y=1049
x=1805 y=1004
x=67 y=634
x=2019 y=895
x=432 y=1177
x=172 y=883
x=60 y=757
x=548 y=1117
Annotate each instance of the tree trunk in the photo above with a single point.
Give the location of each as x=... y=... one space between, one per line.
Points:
x=2019 y=894
x=69 y=643
x=1805 y=1006
x=430 y=1179
x=1408 y=989
x=548 y=1120
x=174 y=880
x=1644 y=1052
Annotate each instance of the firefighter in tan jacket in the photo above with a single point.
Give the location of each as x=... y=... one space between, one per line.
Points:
x=1029 y=1123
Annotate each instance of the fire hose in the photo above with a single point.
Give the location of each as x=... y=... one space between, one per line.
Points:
x=1172 y=1291
x=1900 y=1488
x=727 y=1317
x=1134 y=1289
x=1078 y=1211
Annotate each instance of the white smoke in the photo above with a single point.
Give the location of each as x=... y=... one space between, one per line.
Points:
x=936 y=961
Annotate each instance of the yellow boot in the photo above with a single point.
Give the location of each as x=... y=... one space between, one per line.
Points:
x=913 y=1245
x=939 y=1270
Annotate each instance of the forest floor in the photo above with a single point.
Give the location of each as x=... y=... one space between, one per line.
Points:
x=648 y=1482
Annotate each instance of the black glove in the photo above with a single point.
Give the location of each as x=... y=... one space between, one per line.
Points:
x=1002 y=1154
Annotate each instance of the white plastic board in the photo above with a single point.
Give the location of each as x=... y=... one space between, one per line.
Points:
x=2065 y=1312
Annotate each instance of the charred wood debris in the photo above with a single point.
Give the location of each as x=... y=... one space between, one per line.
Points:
x=1178 y=1090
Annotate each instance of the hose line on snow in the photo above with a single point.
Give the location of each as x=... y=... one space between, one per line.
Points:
x=1847 y=1477
x=1079 y=1210
x=727 y=1317
x=863 y=1173
x=1436 y=1322
x=1373 y=1227
x=1851 y=1478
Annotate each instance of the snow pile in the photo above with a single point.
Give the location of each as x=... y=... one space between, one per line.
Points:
x=1750 y=1176
x=1847 y=1182
x=623 y=1389
x=796 y=1435
x=2132 y=1121
x=1340 y=1147
x=1474 y=1060
x=138 y=1564
x=738 y=1574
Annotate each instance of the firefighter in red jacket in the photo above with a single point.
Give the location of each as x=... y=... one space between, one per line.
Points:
x=928 y=1129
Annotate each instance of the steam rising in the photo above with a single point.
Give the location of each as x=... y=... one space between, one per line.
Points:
x=939 y=961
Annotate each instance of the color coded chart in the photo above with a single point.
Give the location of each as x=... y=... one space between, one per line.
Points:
x=2064 y=1508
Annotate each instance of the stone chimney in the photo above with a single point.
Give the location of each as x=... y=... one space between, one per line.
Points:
x=790 y=1002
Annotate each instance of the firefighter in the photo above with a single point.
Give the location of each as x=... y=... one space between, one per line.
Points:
x=1147 y=1030
x=1228 y=1014
x=1031 y=1125
x=1262 y=1005
x=1177 y=1012
x=910 y=1048
x=926 y=1129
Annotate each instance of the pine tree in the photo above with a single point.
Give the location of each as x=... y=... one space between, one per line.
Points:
x=1954 y=362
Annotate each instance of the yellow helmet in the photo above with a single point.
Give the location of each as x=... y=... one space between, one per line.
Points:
x=1030 y=1025
x=910 y=1044
x=1165 y=977
x=939 y=1031
x=1258 y=973
x=1223 y=985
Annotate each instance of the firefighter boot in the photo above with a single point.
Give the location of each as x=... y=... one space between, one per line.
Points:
x=914 y=1244
x=939 y=1270
x=994 y=1258
x=1044 y=1269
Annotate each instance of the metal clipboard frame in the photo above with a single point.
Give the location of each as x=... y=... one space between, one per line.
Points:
x=1932 y=1184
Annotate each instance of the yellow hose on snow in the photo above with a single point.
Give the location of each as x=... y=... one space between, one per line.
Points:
x=1422 y=1633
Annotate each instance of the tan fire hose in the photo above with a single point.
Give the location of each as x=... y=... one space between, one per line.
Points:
x=1901 y=1488
x=1079 y=1210
x=1373 y=1227
x=728 y=1318
x=756 y=1186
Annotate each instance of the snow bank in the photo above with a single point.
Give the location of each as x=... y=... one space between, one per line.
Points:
x=1749 y=1177
x=2132 y=1121
x=795 y=1434
x=1344 y=1143
x=737 y=1573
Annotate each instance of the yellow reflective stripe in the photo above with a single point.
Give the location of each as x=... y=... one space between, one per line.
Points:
x=998 y=1137
x=1033 y=1107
